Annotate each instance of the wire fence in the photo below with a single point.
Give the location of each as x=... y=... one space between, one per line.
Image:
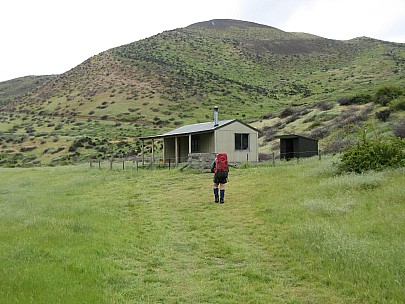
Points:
x=133 y=163
x=289 y=155
x=201 y=161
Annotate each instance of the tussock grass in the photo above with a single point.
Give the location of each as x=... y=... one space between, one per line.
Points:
x=293 y=233
x=365 y=181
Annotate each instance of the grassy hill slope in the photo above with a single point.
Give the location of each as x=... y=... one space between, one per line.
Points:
x=293 y=233
x=176 y=77
x=14 y=88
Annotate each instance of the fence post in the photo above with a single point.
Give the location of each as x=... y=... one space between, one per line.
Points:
x=91 y=163
x=111 y=161
x=274 y=161
x=99 y=164
x=319 y=154
x=123 y=164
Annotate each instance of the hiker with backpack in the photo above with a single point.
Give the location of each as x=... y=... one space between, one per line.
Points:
x=220 y=168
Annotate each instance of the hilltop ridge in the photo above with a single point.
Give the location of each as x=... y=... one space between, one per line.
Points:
x=226 y=23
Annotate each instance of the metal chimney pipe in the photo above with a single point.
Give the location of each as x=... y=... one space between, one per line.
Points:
x=215 y=116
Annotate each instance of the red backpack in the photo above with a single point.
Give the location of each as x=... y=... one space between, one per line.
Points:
x=221 y=162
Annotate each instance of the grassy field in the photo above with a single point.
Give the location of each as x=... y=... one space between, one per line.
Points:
x=293 y=233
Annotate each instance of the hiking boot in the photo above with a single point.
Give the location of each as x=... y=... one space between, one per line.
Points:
x=222 y=196
x=217 y=200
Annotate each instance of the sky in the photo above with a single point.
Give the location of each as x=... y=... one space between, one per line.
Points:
x=44 y=37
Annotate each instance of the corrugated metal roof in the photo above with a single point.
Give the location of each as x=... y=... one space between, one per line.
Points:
x=194 y=129
x=288 y=136
x=198 y=128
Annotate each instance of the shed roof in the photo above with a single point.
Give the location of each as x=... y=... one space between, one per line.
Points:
x=199 y=128
x=287 y=136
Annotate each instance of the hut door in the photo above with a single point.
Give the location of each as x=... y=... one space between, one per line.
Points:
x=289 y=148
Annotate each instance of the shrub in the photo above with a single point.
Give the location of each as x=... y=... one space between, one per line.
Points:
x=398 y=104
x=344 y=101
x=80 y=142
x=268 y=116
x=399 y=129
x=59 y=126
x=338 y=144
x=361 y=99
x=386 y=94
x=357 y=99
x=373 y=155
x=325 y=105
x=286 y=112
x=28 y=148
x=320 y=132
x=30 y=130
x=269 y=133
x=383 y=115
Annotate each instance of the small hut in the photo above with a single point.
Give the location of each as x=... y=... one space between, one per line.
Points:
x=237 y=139
x=296 y=146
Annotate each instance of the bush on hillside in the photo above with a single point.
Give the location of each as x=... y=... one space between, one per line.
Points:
x=357 y=99
x=343 y=101
x=399 y=129
x=383 y=115
x=386 y=94
x=351 y=116
x=398 y=104
x=286 y=112
x=269 y=133
x=28 y=148
x=325 y=105
x=374 y=155
x=80 y=142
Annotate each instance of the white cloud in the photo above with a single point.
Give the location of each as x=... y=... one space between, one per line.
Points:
x=269 y=12
x=50 y=37
x=346 y=19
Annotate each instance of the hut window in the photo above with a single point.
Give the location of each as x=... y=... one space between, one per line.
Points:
x=195 y=144
x=241 y=141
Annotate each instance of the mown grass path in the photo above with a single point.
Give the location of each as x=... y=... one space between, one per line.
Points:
x=294 y=233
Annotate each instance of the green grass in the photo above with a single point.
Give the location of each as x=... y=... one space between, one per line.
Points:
x=293 y=233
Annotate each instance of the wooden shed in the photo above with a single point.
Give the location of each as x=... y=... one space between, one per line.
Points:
x=237 y=139
x=295 y=146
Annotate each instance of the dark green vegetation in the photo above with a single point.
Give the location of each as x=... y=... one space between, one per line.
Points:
x=76 y=234
x=374 y=155
x=252 y=72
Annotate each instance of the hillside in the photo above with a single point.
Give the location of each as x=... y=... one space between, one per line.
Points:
x=176 y=77
x=14 y=88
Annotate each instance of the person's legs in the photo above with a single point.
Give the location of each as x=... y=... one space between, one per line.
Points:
x=222 y=193
x=216 y=194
